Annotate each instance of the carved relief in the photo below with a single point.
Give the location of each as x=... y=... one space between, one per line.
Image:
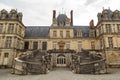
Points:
x=61 y=44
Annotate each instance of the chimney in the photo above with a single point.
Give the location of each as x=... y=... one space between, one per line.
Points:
x=91 y=24
x=71 y=15
x=54 y=14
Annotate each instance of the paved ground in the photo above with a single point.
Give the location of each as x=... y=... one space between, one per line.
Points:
x=61 y=74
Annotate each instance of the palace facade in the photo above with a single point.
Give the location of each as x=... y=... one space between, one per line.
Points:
x=17 y=39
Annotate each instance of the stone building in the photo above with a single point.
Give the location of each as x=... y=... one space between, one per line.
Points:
x=16 y=38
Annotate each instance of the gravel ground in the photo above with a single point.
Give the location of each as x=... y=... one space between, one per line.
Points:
x=61 y=74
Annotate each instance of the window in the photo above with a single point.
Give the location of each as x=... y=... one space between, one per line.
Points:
x=54 y=34
x=100 y=30
x=110 y=41
x=8 y=42
x=68 y=45
x=10 y=28
x=18 y=43
x=26 y=45
x=118 y=27
x=1 y=27
x=92 y=45
x=6 y=55
x=35 y=45
x=101 y=44
x=44 y=45
x=79 y=45
x=61 y=33
x=79 y=33
x=108 y=28
x=54 y=45
x=19 y=30
x=67 y=34
x=61 y=60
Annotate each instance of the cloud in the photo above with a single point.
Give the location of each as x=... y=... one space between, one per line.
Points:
x=88 y=2
x=39 y=12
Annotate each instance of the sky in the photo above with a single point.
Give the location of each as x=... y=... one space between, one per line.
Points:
x=39 y=12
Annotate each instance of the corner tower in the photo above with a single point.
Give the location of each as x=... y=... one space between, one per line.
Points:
x=11 y=36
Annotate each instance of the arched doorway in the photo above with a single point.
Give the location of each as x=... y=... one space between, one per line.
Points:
x=61 y=61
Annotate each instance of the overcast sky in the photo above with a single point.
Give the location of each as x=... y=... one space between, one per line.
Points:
x=39 y=12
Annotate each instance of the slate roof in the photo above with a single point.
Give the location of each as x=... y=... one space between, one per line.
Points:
x=43 y=31
x=61 y=18
x=37 y=32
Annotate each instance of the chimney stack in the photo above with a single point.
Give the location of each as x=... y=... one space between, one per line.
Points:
x=71 y=15
x=91 y=24
x=54 y=14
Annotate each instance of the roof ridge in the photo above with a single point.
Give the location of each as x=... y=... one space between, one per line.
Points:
x=37 y=26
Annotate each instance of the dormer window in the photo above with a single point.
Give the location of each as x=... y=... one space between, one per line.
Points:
x=13 y=14
x=3 y=14
x=79 y=33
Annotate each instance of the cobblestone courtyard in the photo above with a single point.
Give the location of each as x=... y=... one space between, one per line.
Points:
x=61 y=74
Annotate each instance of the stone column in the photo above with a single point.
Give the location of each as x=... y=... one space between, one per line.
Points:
x=39 y=44
x=15 y=26
x=112 y=28
x=115 y=42
x=13 y=42
x=6 y=29
x=116 y=30
x=106 y=42
x=104 y=28
x=4 y=42
x=30 y=44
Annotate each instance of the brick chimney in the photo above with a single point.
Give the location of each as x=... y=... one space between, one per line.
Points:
x=54 y=14
x=71 y=16
x=91 y=24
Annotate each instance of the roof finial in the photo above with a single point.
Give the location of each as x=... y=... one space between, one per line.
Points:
x=109 y=8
